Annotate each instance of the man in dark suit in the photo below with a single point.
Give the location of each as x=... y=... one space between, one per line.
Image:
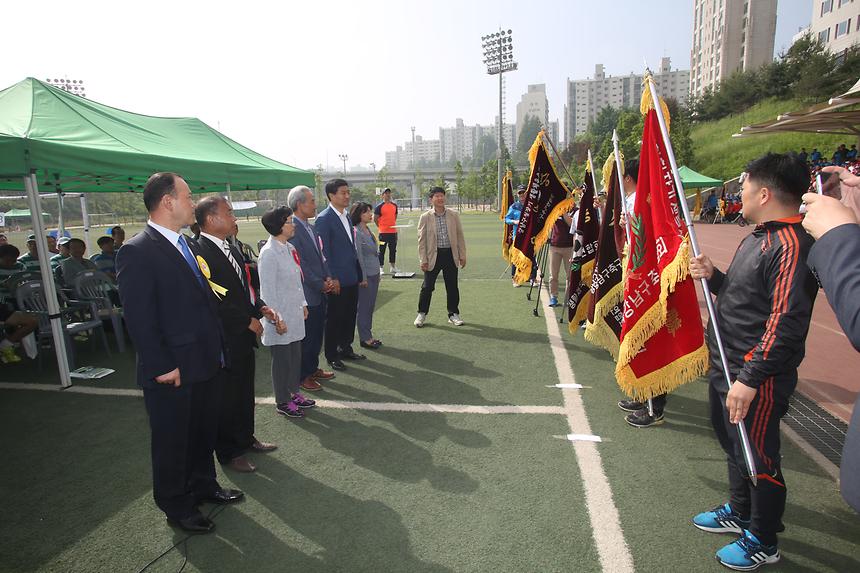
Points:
x=240 y=319
x=835 y=258
x=317 y=284
x=172 y=316
x=338 y=239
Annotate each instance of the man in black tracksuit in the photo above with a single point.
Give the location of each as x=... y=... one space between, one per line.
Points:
x=763 y=306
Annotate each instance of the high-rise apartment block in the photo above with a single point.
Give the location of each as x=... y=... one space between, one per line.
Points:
x=426 y=151
x=461 y=141
x=728 y=36
x=585 y=98
x=835 y=23
x=535 y=104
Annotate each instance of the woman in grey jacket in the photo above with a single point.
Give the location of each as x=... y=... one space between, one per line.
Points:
x=281 y=284
x=368 y=256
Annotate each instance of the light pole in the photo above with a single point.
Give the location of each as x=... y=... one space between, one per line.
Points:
x=343 y=157
x=499 y=58
x=414 y=172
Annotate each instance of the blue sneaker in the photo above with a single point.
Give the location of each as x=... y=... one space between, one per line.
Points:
x=721 y=519
x=553 y=300
x=747 y=553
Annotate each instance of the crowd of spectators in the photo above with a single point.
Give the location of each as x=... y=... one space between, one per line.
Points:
x=67 y=258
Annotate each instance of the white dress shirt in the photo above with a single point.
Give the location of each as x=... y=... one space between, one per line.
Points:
x=344 y=219
x=168 y=234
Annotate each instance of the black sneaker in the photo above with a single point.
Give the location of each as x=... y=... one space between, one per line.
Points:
x=631 y=405
x=642 y=419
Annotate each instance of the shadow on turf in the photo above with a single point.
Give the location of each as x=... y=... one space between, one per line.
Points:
x=370 y=447
x=420 y=385
x=352 y=534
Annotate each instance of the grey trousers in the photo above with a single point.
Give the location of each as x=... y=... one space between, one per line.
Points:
x=286 y=368
x=366 y=304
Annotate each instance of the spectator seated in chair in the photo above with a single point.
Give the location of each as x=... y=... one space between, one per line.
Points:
x=15 y=326
x=75 y=264
x=106 y=260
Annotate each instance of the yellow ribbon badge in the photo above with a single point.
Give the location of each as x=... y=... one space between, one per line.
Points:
x=219 y=291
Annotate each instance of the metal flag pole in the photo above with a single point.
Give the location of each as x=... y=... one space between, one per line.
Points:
x=558 y=156
x=542 y=271
x=694 y=244
x=626 y=215
x=618 y=169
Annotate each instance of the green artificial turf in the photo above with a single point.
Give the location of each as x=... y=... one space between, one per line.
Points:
x=356 y=490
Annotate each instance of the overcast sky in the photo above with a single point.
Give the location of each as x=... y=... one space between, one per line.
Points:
x=305 y=81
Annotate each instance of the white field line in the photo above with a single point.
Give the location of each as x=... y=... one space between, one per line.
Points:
x=605 y=522
x=334 y=404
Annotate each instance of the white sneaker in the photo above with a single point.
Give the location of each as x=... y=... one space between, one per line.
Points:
x=393 y=270
x=419 y=320
x=455 y=320
x=381 y=270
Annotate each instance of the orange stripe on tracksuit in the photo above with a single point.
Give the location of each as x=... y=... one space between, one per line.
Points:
x=787 y=266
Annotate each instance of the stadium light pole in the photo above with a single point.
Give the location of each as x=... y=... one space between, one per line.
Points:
x=343 y=157
x=499 y=58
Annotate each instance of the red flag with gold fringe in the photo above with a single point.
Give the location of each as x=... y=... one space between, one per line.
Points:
x=546 y=200
x=662 y=340
x=578 y=295
x=606 y=312
x=507 y=201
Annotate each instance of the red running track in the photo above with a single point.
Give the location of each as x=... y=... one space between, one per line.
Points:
x=829 y=372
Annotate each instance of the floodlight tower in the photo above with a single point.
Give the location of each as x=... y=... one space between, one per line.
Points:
x=499 y=58
x=72 y=86
x=343 y=157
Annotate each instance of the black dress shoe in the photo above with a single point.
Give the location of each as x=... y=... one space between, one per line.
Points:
x=337 y=365
x=194 y=524
x=224 y=495
x=371 y=345
x=350 y=355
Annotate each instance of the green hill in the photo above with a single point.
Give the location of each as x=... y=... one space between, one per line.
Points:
x=719 y=155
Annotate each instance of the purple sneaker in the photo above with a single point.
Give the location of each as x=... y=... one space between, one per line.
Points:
x=290 y=410
x=303 y=402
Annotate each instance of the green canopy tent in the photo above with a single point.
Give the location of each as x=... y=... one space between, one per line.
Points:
x=22 y=213
x=693 y=180
x=59 y=141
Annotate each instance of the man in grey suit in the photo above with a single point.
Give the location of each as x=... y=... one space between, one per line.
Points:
x=835 y=258
x=317 y=284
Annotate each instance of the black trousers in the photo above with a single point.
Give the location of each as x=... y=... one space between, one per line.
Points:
x=389 y=240
x=340 y=322
x=184 y=424
x=236 y=418
x=313 y=341
x=444 y=264
x=764 y=504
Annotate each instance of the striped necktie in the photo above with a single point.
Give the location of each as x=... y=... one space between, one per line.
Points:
x=225 y=246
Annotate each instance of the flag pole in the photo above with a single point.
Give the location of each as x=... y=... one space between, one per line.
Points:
x=626 y=214
x=618 y=169
x=558 y=156
x=694 y=244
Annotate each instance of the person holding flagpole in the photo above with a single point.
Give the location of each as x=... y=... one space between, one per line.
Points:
x=763 y=306
x=640 y=414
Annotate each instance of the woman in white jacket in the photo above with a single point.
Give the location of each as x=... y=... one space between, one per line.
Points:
x=281 y=287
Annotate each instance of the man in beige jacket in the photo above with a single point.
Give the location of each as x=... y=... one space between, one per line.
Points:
x=441 y=248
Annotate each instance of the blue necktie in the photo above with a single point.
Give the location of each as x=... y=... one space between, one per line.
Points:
x=189 y=258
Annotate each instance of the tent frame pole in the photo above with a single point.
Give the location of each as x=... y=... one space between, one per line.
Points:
x=54 y=315
x=85 y=214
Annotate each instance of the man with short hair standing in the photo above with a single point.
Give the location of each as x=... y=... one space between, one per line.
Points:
x=385 y=217
x=172 y=316
x=441 y=248
x=338 y=240
x=240 y=319
x=317 y=284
